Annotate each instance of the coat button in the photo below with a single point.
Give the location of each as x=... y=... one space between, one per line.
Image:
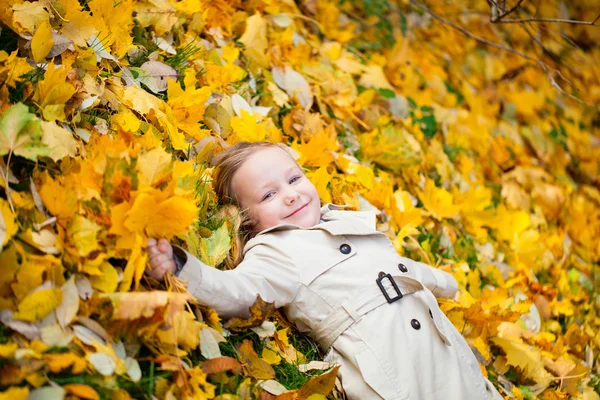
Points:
x=415 y=324
x=345 y=249
x=402 y=268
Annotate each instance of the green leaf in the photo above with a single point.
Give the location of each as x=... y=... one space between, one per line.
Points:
x=387 y=93
x=21 y=133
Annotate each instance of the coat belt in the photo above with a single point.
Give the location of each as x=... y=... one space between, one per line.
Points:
x=354 y=307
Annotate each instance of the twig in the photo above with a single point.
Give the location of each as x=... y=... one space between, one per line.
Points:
x=469 y=34
x=548 y=70
x=506 y=12
x=555 y=20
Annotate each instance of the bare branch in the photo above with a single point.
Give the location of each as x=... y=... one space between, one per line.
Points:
x=472 y=36
x=597 y=18
x=555 y=20
x=506 y=12
x=547 y=69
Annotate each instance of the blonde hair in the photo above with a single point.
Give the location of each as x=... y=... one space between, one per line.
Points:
x=226 y=164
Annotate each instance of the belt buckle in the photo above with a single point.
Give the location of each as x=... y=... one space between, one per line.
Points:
x=379 y=281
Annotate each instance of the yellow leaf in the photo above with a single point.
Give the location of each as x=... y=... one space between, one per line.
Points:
x=247 y=127
x=82 y=391
x=15 y=393
x=53 y=92
x=184 y=331
x=153 y=166
x=255 y=40
x=373 y=77
x=38 y=304
x=107 y=281
x=134 y=305
x=321 y=178
x=118 y=214
x=82 y=235
x=60 y=142
x=60 y=201
x=270 y=356
x=8 y=224
x=42 y=41
x=438 y=201
x=160 y=222
x=62 y=361
x=136 y=264
x=256 y=367
x=8 y=350
x=213 y=250
x=27 y=16
x=77 y=25
x=317 y=152
x=526 y=357
x=140 y=100
x=127 y=121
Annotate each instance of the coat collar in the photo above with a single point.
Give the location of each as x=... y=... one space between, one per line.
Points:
x=336 y=221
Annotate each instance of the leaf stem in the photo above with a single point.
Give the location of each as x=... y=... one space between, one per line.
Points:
x=5 y=177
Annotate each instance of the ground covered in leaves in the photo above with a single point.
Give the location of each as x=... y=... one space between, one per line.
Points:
x=478 y=142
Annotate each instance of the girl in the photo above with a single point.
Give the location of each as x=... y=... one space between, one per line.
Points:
x=337 y=278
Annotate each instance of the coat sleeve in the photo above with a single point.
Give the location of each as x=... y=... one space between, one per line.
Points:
x=441 y=283
x=265 y=271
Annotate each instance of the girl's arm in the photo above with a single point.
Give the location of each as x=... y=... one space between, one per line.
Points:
x=265 y=271
x=441 y=283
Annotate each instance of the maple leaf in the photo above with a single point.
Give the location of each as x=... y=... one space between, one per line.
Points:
x=21 y=133
x=526 y=357
x=259 y=311
x=255 y=39
x=256 y=367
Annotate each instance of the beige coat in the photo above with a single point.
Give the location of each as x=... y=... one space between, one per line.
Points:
x=326 y=279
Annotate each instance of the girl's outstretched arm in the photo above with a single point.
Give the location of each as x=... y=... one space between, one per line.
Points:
x=265 y=271
x=441 y=283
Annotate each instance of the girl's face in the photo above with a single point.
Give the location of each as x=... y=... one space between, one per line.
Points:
x=274 y=190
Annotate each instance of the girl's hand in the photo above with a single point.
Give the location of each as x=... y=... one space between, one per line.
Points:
x=161 y=258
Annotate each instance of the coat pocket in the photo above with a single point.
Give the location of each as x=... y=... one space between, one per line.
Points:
x=375 y=376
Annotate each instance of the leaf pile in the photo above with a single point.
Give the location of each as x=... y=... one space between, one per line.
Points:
x=480 y=161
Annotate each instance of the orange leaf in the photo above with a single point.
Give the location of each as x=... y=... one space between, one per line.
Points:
x=82 y=391
x=254 y=365
x=220 y=364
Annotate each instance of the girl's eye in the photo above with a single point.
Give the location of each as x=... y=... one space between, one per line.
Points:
x=268 y=196
x=295 y=179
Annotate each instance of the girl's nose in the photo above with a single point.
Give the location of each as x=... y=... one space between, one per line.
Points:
x=291 y=197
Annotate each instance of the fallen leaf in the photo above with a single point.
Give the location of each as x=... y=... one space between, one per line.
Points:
x=82 y=391
x=42 y=42
x=253 y=364
x=38 y=305
x=259 y=311
x=220 y=364
x=21 y=133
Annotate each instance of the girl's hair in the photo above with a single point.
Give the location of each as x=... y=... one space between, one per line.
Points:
x=226 y=164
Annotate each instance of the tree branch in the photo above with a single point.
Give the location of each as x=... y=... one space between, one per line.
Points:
x=472 y=36
x=554 y=20
x=506 y=12
x=548 y=70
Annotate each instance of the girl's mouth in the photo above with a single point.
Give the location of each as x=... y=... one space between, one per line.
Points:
x=298 y=210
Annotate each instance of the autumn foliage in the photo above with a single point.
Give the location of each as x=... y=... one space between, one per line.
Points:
x=482 y=161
